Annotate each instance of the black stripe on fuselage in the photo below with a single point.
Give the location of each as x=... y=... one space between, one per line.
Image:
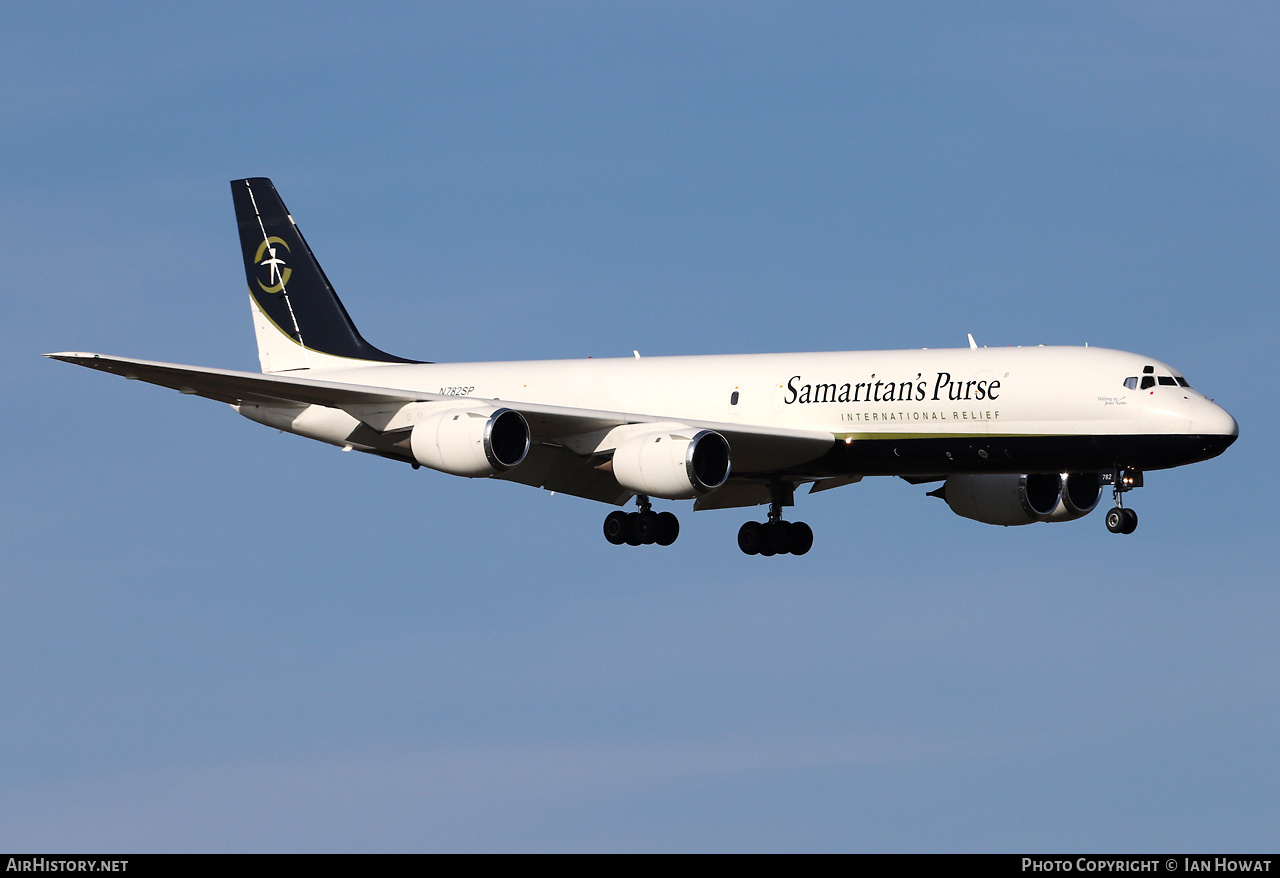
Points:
x=1005 y=454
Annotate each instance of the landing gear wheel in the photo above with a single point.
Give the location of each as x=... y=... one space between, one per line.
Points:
x=668 y=528
x=646 y=525
x=801 y=538
x=1115 y=520
x=616 y=527
x=775 y=538
x=778 y=536
x=1121 y=520
x=633 y=532
x=641 y=528
x=1130 y=521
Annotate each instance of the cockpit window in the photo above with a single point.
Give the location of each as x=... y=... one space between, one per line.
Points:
x=1148 y=381
x=1131 y=383
x=1182 y=382
x=1168 y=381
x=1147 y=370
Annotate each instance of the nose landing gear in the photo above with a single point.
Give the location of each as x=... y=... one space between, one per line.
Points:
x=641 y=528
x=1122 y=520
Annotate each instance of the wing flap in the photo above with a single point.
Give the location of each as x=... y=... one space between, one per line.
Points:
x=555 y=468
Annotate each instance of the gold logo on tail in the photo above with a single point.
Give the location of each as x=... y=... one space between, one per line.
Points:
x=277 y=272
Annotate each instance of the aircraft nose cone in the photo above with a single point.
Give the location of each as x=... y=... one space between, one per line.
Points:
x=1215 y=428
x=1220 y=423
x=1233 y=429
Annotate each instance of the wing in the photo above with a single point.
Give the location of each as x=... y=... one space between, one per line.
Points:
x=570 y=444
x=226 y=385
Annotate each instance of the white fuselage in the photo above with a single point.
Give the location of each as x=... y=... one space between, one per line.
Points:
x=1025 y=391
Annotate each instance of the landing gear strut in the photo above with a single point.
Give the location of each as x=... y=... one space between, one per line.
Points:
x=1122 y=520
x=641 y=528
x=775 y=536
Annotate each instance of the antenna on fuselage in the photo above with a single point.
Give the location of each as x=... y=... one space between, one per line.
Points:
x=973 y=345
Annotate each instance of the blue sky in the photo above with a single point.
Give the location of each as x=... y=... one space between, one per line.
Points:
x=222 y=638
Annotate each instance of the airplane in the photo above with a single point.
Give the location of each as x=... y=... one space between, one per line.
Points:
x=1015 y=435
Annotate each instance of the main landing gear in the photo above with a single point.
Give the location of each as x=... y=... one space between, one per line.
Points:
x=641 y=528
x=775 y=536
x=1122 y=520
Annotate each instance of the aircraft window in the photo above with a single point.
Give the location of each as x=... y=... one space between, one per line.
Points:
x=733 y=398
x=1131 y=383
x=1148 y=382
x=1182 y=382
x=1147 y=370
x=1168 y=380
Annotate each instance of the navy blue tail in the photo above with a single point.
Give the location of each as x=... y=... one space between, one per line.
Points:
x=287 y=282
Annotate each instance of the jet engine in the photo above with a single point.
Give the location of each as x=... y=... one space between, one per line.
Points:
x=672 y=466
x=471 y=442
x=1007 y=499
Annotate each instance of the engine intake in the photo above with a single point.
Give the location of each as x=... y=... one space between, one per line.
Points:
x=471 y=442
x=1080 y=494
x=672 y=466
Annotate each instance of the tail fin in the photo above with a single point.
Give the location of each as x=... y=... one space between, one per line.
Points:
x=299 y=321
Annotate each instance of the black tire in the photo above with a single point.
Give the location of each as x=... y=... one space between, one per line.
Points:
x=749 y=538
x=1116 y=520
x=801 y=538
x=668 y=528
x=616 y=528
x=633 y=532
x=647 y=527
x=1130 y=521
x=778 y=536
